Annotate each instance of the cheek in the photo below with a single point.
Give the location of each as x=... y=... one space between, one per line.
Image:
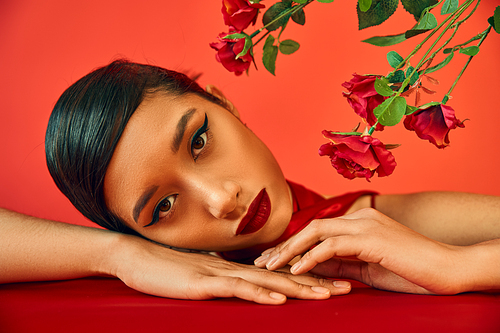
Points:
x=251 y=153
x=190 y=228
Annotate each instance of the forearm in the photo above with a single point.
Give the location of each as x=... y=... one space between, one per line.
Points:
x=34 y=249
x=449 y=217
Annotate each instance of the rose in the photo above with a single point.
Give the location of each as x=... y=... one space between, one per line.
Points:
x=240 y=13
x=358 y=156
x=363 y=97
x=434 y=124
x=228 y=49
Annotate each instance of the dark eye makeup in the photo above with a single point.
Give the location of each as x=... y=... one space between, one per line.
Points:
x=165 y=206
x=198 y=143
x=200 y=139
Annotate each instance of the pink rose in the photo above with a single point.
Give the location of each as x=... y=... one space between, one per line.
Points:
x=227 y=49
x=434 y=124
x=358 y=156
x=240 y=13
x=363 y=97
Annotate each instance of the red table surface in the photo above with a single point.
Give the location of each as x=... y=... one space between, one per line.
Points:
x=102 y=304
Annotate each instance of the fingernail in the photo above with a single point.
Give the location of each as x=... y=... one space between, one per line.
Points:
x=295 y=267
x=276 y=296
x=341 y=284
x=261 y=259
x=272 y=260
x=320 y=290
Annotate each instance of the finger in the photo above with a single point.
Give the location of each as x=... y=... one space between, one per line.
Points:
x=240 y=288
x=287 y=284
x=371 y=274
x=329 y=248
x=283 y=253
x=269 y=250
x=335 y=287
x=341 y=269
x=316 y=231
x=301 y=287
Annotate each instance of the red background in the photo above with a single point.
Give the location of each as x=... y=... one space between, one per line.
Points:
x=47 y=45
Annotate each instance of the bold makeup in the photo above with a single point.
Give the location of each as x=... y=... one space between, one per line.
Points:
x=257 y=215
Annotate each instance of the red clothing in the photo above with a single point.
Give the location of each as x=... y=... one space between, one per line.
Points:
x=307 y=206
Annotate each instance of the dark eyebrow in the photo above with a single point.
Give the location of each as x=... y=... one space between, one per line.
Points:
x=143 y=200
x=181 y=128
x=179 y=135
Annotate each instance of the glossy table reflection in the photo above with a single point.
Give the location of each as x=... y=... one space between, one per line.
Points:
x=103 y=304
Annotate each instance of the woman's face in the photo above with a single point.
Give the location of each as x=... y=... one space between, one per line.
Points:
x=187 y=173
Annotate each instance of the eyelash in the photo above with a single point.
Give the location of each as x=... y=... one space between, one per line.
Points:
x=203 y=130
x=156 y=213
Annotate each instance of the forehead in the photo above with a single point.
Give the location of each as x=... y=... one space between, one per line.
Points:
x=155 y=117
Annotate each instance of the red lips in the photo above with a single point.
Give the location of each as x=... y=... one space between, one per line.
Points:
x=257 y=214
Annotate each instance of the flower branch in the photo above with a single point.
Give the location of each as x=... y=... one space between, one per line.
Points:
x=379 y=100
x=484 y=35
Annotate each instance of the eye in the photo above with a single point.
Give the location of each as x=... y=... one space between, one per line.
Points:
x=199 y=142
x=166 y=204
x=163 y=209
x=200 y=139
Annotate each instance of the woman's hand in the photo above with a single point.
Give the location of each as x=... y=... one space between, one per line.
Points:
x=152 y=269
x=34 y=249
x=391 y=256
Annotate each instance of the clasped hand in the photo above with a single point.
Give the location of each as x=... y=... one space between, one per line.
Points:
x=156 y=270
x=389 y=255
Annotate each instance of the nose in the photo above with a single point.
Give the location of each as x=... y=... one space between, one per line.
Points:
x=222 y=199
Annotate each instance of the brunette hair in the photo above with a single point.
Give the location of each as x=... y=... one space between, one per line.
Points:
x=87 y=123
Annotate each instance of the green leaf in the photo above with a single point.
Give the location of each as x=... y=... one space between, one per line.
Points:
x=364 y=5
x=440 y=65
x=459 y=46
x=300 y=1
x=274 y=12
x=491 y=21
x=449 y=6
x=496 y=17
x=410 y=109
x=299 y=17
x=391 y=111
x=288 y=46
x=346 y=133
x=416 y=7
x=494 y=21
x=325 y=1
x=470 y=51
x=426 y=105
x=385 y=40
x=380 y=11
x=394 y=59
x=382 y=88
x=414 y=32
x=428 y=21
x=269 y=55
x=235 y=36
x=414 y=77
x=246 y=47
x=269 y=41
x=399 y=76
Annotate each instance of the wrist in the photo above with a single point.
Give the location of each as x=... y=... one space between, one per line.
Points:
x=483 y=272
x=115 y=253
